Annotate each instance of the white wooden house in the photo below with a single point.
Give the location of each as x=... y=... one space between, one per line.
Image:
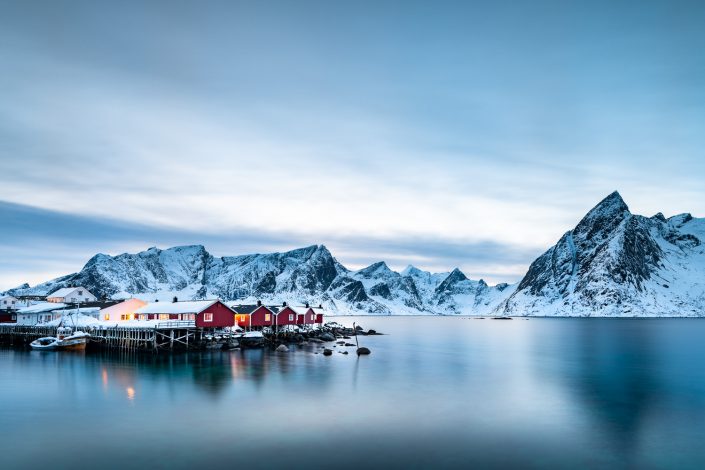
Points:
x=39 y=313
x=8 y=302
x=71 y=295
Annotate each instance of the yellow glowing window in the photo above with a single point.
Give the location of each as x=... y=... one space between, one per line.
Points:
x=107 y=316
x=267 y=317
x=163 y=316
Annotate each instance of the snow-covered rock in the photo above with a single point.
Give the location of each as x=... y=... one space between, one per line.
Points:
x=308 y=274
x=615 y=263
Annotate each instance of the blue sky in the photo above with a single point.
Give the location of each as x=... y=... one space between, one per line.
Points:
x=441 y=134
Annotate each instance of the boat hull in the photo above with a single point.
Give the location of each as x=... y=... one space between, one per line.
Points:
x=69 y=343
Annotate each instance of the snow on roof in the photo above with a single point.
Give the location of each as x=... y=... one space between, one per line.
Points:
x=69 y=310
x=42 y=307
x=74 y=320
x=245 y=309
x=194 y=306
x=300 y=310
x=62 y=292
x=126 y=306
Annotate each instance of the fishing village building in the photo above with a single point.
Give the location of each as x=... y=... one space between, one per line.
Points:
x=258 y=315
x=8 y=302
x=41 y=312
x=8 y=309
x=71 y=295
x=123 y=311
x=205 y=313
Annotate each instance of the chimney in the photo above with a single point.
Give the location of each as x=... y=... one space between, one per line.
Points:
x=259 y=303
x=320 y=306
x=175 y=299
x=284 y=304
x=306 y=304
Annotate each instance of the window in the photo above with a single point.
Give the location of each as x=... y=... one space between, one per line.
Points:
x=291 y=317
x=80 y=292
x=107 y=317
x=14 y=317
x=267 y=317
x=208 y=317
x=313 y=317
x=163 y=316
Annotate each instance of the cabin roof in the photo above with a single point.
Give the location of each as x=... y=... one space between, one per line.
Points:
x=244 y=309
x=193 y=306
x=42 y=307
x=301 y=310
x=64 y=291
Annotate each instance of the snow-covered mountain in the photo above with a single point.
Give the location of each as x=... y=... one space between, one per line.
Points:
x=309 y=274
x=615 y=263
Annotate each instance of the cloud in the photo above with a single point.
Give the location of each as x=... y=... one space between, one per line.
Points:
x=38 y=244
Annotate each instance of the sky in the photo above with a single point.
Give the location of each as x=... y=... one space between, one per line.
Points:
x=440 y=134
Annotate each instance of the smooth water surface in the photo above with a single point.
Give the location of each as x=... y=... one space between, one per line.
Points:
x=436 y=392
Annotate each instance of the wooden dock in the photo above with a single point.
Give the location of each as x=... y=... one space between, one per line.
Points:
x=164 y=337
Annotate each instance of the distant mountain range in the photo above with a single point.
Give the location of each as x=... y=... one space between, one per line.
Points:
x=613 y=263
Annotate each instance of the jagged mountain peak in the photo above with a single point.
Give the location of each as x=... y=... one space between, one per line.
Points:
x=617 y=263
x=375 y=270
x=456 y=275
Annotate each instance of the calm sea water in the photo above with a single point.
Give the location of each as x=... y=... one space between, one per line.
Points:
x=436 y=392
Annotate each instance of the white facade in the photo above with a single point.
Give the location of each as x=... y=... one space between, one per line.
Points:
x=9 y=302
x=124 y=311
x=71 y=295
x=38 y=313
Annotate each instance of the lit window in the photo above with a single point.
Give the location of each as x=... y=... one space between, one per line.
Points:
x=107 y=317
x=208 y=317
x=267 y=317
x=163 y=316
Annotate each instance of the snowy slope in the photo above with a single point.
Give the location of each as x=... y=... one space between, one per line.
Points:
x=615 y=263
x=308 y=274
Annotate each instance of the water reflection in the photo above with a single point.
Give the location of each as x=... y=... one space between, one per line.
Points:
x=436 y=392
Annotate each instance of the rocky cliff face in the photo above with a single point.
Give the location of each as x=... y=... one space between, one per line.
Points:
x=615 y=263
x=308 y=274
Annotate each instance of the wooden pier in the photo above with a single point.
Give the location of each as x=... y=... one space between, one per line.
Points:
x=167 y=337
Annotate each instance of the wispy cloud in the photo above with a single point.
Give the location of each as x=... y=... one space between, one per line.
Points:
x=468 y=135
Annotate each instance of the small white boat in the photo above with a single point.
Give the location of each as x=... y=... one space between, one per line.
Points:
x=65 y=339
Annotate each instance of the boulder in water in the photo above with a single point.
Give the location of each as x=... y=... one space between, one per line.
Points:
x=363 y=351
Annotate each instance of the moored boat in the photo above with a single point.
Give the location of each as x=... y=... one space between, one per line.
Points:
x=65 y=340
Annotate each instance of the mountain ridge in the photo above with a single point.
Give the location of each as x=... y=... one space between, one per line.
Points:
x=612 y=263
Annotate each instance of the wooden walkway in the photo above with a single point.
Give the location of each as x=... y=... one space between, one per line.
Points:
x=168 y=336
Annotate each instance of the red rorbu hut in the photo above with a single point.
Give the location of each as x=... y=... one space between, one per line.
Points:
x=284 y=315
x=305 y=315
x=205 y=313
x=319 y=314
x=248 y=316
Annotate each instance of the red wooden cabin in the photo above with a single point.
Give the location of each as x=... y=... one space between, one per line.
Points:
x=285 y=316
x=206 y=313
x=248 y=316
